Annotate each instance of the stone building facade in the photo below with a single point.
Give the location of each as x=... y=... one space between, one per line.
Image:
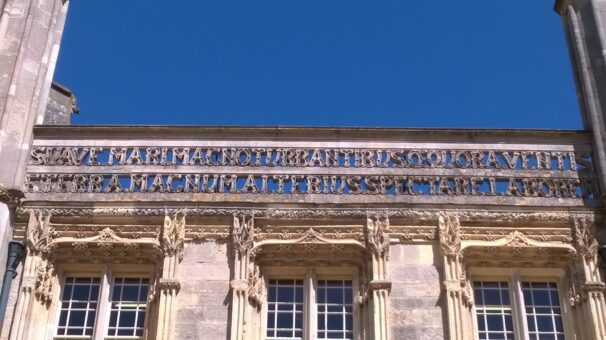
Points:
x=298 y=233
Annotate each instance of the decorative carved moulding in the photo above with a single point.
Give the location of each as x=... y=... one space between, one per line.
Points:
x=259 y=170
x=419 y=214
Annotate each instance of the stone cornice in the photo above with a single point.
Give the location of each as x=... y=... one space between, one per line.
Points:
x=307 y=133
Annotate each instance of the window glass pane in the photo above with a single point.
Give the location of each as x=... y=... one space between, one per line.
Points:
x=493 y=310
x=285 y=309
x=128 y=307
x=78 y=307
x=543 y=312
x=335 y=309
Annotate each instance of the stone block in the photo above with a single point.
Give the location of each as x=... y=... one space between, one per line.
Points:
x=415 y=289
x=413 y=273
x=417 y=254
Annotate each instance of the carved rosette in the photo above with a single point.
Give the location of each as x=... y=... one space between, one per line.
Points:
x=450 y=235
x=243 y=234
x=377 y=236
x=173 y=234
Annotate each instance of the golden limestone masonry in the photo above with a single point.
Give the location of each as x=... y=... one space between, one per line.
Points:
x=252 y=233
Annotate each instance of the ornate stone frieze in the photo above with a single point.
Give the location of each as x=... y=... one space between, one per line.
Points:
x=296 y=213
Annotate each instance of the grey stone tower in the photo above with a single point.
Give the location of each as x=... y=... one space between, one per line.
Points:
x=30 y=36
x=584 y=24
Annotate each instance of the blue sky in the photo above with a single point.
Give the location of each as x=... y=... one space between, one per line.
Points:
x=395 y=63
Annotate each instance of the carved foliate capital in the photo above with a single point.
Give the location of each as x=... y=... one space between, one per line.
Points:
x=168 y=285
x=594 y=287
x=450 y=235
x=459 y=288
x=239 y=285
x=243 y=234
x=377 y=236
x=378 y=285
x=173 y=234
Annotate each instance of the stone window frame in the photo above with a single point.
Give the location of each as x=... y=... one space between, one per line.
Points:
x=310 y=277
x=107 y=273
x=514 y=276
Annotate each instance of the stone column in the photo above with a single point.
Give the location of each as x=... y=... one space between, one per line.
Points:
x=37 y=291
x=167 y=286
x=457 y=287
x=243 y=240
x=377 y=243
x=587 y=288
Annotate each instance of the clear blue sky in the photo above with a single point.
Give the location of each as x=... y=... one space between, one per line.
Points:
x=398 y=63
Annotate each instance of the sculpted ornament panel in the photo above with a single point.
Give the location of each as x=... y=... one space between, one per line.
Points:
x=377 y=236
x=40 y=232
x=243 y=234
x=173 y=234
x=44 y=282
x=585 y=243
x=256 y=287
x=450 y=235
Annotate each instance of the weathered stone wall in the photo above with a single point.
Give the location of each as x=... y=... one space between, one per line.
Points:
x=416 y=304
x=202 y=304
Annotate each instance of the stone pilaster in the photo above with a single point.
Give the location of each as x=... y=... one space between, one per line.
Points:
x=586 y=287
x=456 y=285
x=167 y=286
x=243 y=240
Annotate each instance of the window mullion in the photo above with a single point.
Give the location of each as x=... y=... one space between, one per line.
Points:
x=103 y=306
x=520 y=324
x=309 y=307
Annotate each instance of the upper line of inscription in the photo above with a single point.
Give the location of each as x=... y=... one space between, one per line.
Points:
x=308 y=157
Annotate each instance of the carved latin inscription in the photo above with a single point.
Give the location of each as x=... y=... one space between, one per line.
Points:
x=284 y=171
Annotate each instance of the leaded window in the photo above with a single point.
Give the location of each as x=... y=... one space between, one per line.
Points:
x=78 y=308
x=310 y=308
x=128 y=307
x=335 y=309
x=518 y=309
x=97 y=307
